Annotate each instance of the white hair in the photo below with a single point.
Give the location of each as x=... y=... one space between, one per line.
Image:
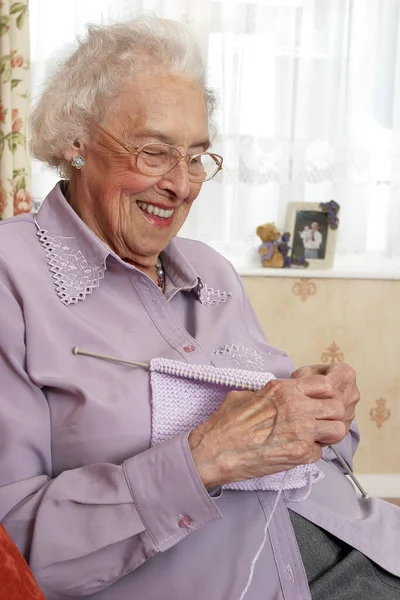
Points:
x=96 y=73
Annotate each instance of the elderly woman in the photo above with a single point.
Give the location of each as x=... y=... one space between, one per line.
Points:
x=97 y=508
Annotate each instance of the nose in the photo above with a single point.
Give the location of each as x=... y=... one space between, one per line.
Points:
x=176 y=181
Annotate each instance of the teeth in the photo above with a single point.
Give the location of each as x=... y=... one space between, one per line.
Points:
x=158 y=212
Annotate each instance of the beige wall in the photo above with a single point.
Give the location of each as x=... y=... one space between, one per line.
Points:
x=328 y=320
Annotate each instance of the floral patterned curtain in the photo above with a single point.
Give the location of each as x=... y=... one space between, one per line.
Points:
x=15 y=196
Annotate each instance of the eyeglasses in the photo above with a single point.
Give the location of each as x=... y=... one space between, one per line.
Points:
x=157 y=159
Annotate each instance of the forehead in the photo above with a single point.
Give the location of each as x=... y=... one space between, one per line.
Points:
x=161 y=102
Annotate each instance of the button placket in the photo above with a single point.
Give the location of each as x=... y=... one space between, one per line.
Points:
x=168 y=325
x=287 y=556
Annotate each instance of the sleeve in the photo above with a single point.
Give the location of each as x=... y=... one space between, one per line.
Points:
x=348 y=446
x=88 y=527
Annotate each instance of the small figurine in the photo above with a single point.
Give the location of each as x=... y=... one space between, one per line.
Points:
x=269 y=249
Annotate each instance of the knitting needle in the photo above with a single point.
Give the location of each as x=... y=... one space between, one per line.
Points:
x=125 y=361
x=349 y=472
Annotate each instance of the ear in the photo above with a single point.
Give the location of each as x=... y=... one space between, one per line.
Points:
x=76 y=149
x=259 y=230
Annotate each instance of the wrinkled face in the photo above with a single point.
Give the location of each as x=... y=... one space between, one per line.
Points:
x=120 y=201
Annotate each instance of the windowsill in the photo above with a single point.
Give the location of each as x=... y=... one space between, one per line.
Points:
x=333 y=273
x=344 y=268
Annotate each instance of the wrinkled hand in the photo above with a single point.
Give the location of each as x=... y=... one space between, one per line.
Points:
x=343 y=377
x=253 y=434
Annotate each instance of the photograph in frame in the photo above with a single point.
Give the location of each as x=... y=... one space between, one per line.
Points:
x=312 y=238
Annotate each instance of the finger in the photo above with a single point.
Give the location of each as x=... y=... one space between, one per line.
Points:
x=309 y=370
x=304 y=409
x=317 y=386
x=340 y=366
x=341 y=373
x=328 y=410
x=329 y=432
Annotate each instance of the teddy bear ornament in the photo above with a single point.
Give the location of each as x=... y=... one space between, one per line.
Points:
x=269 y=251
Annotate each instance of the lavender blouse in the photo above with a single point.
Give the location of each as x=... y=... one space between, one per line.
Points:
x=96 y=512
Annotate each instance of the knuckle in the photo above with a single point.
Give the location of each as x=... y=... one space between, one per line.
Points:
x=289 y=408
x=327 y=384
x=233 y=397
x=275 y=386
x=300 y=451
x=339 y=409
x=349 y=371
x=348 y=368
x=288 y=411
x=301 y=372
x=338 y=431
x=299 y=428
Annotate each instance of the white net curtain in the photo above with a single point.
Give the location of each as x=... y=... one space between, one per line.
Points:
x=309 y=110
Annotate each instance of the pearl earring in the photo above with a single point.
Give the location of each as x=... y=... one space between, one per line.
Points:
x=78 y=162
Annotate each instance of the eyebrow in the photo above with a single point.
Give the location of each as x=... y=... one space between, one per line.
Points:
x=155 y=133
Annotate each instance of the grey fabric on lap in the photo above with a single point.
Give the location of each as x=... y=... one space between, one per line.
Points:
x=335 y=571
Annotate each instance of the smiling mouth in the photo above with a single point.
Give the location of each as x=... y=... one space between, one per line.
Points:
x=155 y=210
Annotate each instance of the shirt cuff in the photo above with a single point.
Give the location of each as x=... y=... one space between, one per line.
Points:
x=168 y=493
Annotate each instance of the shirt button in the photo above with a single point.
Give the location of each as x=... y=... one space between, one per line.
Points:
x=184 y=522
x=189 y=348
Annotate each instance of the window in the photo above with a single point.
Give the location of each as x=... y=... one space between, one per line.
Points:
x=309 y=110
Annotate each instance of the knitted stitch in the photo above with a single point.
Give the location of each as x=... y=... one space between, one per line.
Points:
x=183 y=396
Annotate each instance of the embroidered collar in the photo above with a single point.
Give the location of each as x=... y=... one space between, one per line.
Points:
x=77 y=257
x=74 y=276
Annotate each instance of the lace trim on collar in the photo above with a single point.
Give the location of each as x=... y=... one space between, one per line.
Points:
x=242 y=356
x=74 y=276
x=209 y=296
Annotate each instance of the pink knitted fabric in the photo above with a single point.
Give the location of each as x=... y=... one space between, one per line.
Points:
x=183 y=396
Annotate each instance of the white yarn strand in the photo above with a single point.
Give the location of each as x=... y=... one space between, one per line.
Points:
x=261 y=548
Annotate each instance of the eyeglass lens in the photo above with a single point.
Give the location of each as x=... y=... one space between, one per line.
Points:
x=156 y=159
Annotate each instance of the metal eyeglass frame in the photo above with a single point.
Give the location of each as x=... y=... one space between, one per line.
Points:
x=138 y=149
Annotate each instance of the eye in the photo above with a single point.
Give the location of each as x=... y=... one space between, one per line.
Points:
x=156 y=149
x=152 y=152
